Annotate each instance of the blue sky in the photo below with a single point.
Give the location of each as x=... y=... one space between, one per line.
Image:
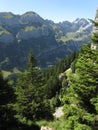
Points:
x=56 y=10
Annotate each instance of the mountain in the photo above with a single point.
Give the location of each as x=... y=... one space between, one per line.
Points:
x=49 y=41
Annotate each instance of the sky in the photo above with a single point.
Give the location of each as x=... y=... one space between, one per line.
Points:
x=55 y=10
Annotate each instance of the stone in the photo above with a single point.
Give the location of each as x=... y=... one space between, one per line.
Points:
x=46 y=128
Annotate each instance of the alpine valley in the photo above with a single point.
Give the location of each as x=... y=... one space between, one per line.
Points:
x=49 y=41
x=48 y=78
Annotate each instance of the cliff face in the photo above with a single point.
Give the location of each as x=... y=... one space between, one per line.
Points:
x=49 y=41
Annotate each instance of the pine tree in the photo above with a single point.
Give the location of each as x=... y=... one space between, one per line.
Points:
x=31 y=102
x=81 y=106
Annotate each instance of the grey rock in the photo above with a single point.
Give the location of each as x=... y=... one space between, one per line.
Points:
x=6 y=38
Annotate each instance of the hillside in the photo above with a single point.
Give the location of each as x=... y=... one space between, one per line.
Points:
x=62 y=97
x=49 y=41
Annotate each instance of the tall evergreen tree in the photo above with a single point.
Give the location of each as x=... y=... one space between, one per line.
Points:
x=81 y=107
x=31 y=103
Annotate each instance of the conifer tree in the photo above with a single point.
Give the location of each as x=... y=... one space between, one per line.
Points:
x=31 y=103
x=81 y=99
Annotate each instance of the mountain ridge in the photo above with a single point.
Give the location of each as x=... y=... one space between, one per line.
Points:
x=22 y=33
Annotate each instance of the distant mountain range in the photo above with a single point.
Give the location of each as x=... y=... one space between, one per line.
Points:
x=49 y=41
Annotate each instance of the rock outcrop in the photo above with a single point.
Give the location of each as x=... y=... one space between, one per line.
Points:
x=46 y=128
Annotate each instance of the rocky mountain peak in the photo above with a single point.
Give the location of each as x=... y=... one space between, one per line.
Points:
x=77 y=20
x=30 y=17
x=81 y=22
x=50 y=41
x=30 y=13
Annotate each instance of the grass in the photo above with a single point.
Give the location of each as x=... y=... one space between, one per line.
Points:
x=55 y=27
x=15 y=70
x=29 y=28
x=6 y=73
x=72 y=36
x=3 y=31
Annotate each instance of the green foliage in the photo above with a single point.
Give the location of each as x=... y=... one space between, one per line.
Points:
x=31 y=61
x=7 y=98
x=37 y=92
x=6 y=73
x=81 y=98
x=94 y=101
x=80 y=101
x=3 y=31
x=94 y=22
x=77 y=37
x=57 y=124
x=94 y=37
x=29 y=28
x=31 y=101
x=55 y=102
